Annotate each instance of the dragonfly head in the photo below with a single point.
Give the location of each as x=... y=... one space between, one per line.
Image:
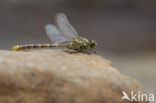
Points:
x=92 y=44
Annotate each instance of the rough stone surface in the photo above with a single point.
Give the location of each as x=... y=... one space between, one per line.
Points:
x=54 y=76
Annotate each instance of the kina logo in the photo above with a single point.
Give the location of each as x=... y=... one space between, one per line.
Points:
x=137 y=96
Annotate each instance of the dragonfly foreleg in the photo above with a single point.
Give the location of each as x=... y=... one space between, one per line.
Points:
x=71 y=51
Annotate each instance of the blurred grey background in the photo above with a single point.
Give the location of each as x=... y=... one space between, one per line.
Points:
x=124 y=29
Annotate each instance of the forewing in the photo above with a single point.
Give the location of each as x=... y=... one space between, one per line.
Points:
x=66 y=28
x=54 y=34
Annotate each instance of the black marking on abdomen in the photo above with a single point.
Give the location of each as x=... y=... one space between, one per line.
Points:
x=31 y=46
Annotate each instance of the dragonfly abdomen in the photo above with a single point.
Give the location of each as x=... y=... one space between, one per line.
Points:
x=31 y=46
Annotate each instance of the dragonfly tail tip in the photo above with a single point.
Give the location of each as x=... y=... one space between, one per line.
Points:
x=15 y=48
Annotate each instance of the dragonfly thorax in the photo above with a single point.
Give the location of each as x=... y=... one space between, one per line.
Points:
x=81 y=44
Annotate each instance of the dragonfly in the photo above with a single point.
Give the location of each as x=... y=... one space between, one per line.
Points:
x=62 y=35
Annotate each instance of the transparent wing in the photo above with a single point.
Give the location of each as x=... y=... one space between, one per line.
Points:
x=54 y=34
x=66 y=28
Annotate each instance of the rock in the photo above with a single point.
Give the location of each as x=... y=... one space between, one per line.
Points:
x=54 y=76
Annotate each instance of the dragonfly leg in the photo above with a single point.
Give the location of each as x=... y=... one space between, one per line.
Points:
x=91 y=52
x=94 y=52
x=71 y=51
